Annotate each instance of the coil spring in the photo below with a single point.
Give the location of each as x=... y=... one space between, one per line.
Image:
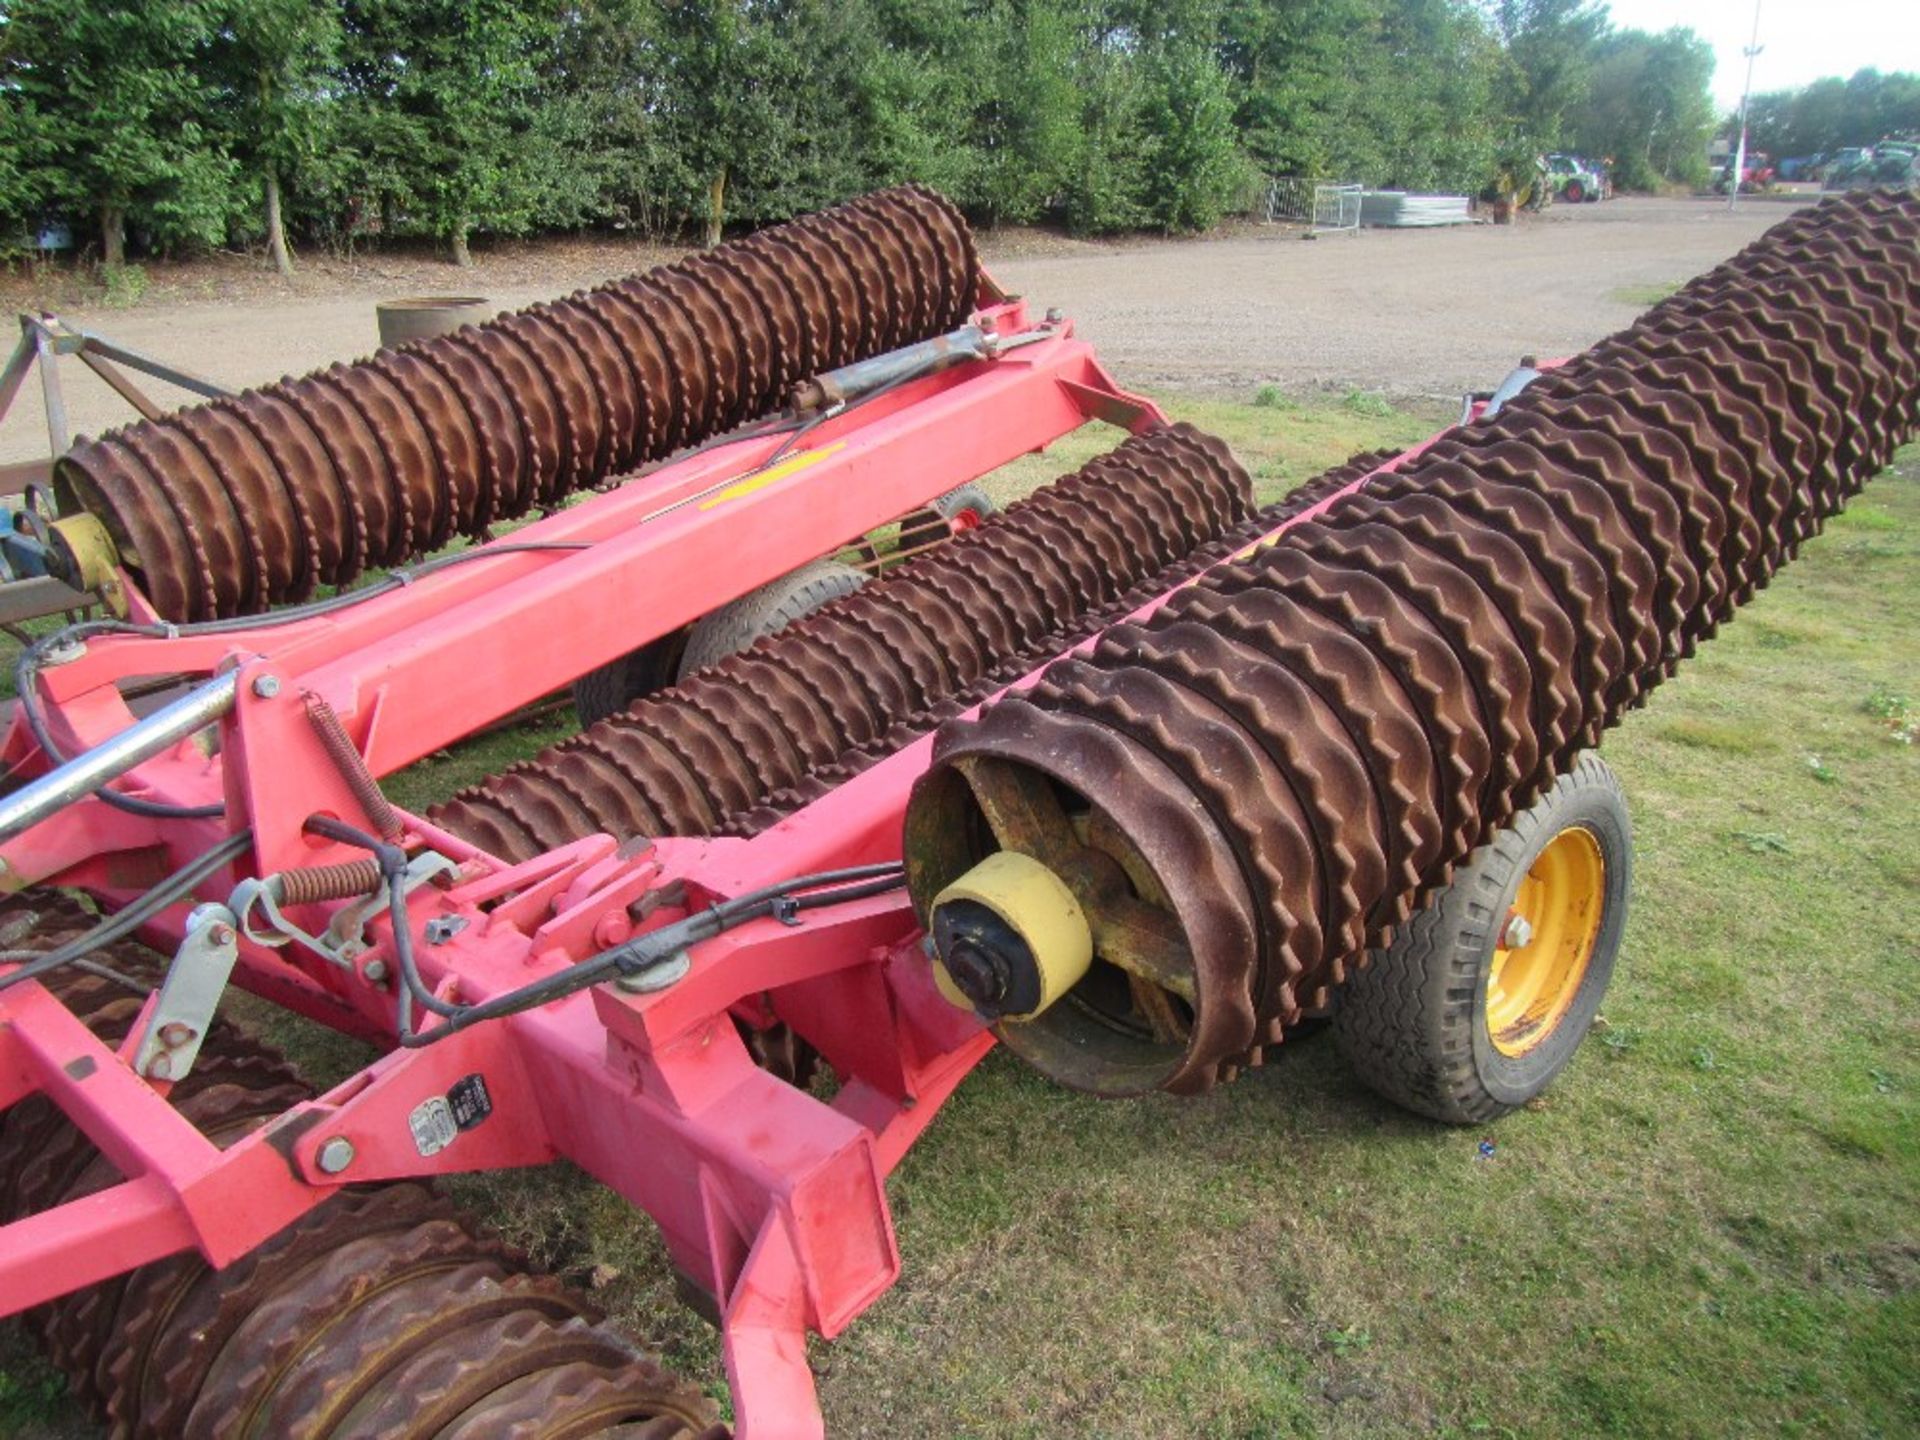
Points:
x=352 y=766
x=346 y=881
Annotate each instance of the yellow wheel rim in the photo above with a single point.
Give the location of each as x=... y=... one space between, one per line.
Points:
x=1546 y=941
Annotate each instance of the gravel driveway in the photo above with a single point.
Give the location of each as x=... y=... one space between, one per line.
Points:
x=1408 y=313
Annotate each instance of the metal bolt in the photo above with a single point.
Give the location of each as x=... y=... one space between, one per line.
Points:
x=221 y=935
x=376 y=971
x=65 y=653
x=266 y=686
x=1518 y=932
x=612 y=928
x=1055 y=315
x=335 y=1156
x=176 y=1033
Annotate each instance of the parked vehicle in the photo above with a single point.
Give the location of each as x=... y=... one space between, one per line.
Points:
x=1574 y=179
x=1894 y=162
x=1757 y=174
x=1845 y=165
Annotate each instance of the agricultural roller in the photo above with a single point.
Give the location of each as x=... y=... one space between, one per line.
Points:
x=1132 y=777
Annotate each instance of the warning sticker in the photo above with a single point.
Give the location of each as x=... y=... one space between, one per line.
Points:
x=433 y=1126
x=438 y=1122
x=470 y=1101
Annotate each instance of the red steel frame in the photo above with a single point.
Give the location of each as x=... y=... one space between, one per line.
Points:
x=772 y=1202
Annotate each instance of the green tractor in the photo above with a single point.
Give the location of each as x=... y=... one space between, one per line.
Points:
x=1573 y=179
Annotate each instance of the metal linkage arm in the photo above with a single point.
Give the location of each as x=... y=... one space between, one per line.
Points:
x=90 y=772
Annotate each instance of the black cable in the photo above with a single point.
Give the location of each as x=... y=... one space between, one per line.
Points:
x=656 y=947
x=107 y=972
x=642 y=953
x=26 y=687
x=27 y=665
x=393 y=868
x=175 y=888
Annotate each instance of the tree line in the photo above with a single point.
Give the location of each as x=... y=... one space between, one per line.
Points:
x=161 y=126
x=1832 y=114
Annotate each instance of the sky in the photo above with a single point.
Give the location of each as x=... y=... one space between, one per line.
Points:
x=1801 y=40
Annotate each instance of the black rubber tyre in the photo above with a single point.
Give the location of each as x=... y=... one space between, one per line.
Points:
x=1414 y=1023
x=961 y=508
x=617 y=684
x=774 y=606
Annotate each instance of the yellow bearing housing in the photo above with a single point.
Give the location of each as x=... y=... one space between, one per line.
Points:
x=1039 y=950
x=86 y=558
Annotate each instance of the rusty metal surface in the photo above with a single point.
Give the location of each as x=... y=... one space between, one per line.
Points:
x=232 y=507
x=1202 y=889
x=1015 y=662
x=1476 y=618
x=354 y=1361
x=695 y=759
x=382 y=1311
x=571 y=1402
x=177 y=1317
x=226 y=1104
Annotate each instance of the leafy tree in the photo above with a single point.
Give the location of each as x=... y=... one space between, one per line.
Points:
x=19 y=184
x=1290 y=61
x=1105 y=185
x=1390 y=92
x=276 y=57
x=1648 y=108
x=353 y=118
x=1831 y=114
x=1026 y=128
x=1888 y=105
x=812 y=53
x=119 y=93
x=1430 y=89
x=1550 y=48
x=596 y=142
x=720 y=64
x=922 y=72
x=1194 y=167
x=445 y=93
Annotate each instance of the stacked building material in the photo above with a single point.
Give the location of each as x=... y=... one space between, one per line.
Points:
x=1398 y=210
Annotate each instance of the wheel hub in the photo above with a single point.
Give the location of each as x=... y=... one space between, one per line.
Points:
x=1545 y=946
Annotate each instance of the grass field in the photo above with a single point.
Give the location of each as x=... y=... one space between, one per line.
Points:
x=1709 y=1227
